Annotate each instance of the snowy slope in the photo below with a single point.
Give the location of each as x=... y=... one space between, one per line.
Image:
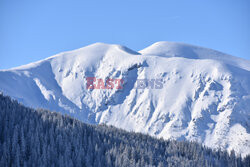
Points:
x=205 y=95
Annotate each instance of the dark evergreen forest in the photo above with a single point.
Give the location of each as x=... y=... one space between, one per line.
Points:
x=30 y=137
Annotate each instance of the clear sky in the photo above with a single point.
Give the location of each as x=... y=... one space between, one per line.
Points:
x=31 y=30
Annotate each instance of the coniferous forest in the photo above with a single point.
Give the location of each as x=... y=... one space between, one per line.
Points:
x=31 y=137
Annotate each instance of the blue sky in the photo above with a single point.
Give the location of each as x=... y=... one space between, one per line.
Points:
x=33 y=30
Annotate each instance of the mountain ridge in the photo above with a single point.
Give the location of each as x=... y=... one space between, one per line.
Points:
x=205 y=95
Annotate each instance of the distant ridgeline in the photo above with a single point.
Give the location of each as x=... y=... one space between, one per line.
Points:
x=31 y=137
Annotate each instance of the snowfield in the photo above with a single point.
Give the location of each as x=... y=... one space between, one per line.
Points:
x=205 y=95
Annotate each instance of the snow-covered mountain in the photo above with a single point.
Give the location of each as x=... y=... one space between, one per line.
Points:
x=205 y=94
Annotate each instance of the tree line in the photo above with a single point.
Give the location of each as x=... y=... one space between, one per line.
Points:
x=30 y=137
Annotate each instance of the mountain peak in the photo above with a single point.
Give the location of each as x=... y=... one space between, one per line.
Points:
x=175 y=49
x=107 y=46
